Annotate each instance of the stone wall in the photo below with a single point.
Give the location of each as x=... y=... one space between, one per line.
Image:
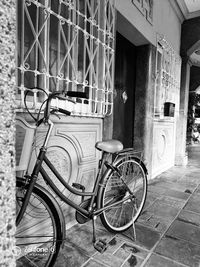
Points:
x=7 y=131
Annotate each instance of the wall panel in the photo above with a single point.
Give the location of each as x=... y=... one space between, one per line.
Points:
x=163 y=146
x=71 y=149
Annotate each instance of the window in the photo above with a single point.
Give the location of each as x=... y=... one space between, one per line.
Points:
x=167 y=85
x=67 y=45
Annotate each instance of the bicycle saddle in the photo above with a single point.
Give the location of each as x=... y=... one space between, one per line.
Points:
x=110 y=146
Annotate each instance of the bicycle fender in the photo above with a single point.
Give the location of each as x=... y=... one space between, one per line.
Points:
x=109 y=170
x=119 y=158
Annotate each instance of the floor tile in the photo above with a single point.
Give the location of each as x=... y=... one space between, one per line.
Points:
x=168 y=192
x=198 y=190
x=127 y=249
x=150 y=220
x=185 y=231
x=81 y=237
x=158 y=261
x=178 y=250
x=114 y=244
x=173 y=202
x=151 y=197
x=163 y=210
x=178 y=186
x=109 y=259
x=93 y=263
x=71 y=257
x=189 y=217
x=193 y=203
x=133 y=261
x=192 y=177
x=172 y=205
x=146 y=237
x=169 y=176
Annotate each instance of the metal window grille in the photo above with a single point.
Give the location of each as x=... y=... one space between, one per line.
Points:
x=67 y=45
x=168 y=70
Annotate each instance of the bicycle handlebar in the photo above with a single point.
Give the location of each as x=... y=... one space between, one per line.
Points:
x=64 y=111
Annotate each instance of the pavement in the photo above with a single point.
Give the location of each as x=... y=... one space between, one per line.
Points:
x=167 y=231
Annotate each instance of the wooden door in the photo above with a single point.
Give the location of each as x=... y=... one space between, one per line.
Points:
x=125 y=66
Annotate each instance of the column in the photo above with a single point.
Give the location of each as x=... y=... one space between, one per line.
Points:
x=181 y=157
x=7 y=132
x=144 y=101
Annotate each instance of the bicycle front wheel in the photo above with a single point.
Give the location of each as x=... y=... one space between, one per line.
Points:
x=38 y=235
x=123 y=195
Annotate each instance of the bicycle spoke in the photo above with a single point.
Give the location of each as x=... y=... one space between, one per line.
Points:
x=122 y=192
x=38 y=235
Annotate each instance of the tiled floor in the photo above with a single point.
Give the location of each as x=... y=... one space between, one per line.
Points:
x=168 y=231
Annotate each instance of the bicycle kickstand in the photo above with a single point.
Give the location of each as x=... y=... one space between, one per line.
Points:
x=100 y=245
x=134 y=231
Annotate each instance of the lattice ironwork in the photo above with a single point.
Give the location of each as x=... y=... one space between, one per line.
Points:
x=168 y=70
x=67 y=45
x=146 y=8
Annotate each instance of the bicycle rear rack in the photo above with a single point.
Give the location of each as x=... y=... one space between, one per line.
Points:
x=129 y=153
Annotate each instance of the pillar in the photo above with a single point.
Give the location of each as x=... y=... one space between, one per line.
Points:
x=7 y=132
x=181 y=157
x=144 y=103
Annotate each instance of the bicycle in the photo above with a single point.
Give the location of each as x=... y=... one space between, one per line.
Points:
x=118 y=196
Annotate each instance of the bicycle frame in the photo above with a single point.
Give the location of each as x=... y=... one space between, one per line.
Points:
x=92 y=194
x=39 y=169
x=113 y=196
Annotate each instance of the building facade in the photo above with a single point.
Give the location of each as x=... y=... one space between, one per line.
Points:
x=128 y=56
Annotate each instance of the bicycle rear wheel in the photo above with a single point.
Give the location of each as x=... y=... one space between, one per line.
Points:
x=38 y=235
x=126 y=192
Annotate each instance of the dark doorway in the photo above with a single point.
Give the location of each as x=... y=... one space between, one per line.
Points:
x=125 y=68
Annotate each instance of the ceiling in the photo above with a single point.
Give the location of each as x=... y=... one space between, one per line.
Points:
x=191 y=9
x=192 y=5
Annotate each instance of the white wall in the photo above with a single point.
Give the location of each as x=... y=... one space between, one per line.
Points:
x=165 y=21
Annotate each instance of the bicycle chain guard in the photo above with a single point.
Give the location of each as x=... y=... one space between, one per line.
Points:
x=79 y=216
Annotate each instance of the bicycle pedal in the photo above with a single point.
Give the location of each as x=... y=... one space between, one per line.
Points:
x=100 y=245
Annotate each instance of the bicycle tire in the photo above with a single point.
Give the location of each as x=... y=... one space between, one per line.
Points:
x=120 y=217
x=37 y=246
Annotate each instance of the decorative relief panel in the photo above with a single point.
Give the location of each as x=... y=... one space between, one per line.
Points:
x=84 y=140
x=62 y=162
x=87 y=178
x=163 y=147
x=71 y=149
x=146 y=8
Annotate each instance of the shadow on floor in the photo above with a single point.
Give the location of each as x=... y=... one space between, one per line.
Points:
x=168 y=230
